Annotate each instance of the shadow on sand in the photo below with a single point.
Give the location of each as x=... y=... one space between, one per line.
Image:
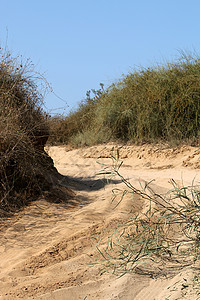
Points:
x=88 y=183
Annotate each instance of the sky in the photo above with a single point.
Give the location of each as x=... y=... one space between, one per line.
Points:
x=79 y=44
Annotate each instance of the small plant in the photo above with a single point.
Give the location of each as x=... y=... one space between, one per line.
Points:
x=166 y=233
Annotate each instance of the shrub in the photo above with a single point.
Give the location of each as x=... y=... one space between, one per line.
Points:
x=153 y=104
x=78 y=123
x=23 y=134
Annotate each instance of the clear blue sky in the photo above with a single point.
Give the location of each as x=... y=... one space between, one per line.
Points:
x=80 y=43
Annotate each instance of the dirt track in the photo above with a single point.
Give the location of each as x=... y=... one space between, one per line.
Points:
x=47 y=249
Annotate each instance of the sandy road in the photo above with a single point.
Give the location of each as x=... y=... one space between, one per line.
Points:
x=46 y=249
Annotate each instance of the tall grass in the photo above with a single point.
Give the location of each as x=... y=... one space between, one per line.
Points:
x=157 y=103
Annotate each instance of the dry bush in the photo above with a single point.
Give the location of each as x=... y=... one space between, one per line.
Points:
x=23 y=134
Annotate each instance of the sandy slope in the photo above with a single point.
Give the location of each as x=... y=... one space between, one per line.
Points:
x=47 y=249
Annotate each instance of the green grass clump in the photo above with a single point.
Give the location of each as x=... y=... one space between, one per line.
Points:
x=148 y=105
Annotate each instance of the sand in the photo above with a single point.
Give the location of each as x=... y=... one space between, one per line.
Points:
x=48 y=249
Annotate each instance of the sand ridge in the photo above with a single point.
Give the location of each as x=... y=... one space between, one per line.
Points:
x=48 y=249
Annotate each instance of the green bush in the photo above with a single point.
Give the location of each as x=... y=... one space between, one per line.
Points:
x=157 y=103
x=78 y=123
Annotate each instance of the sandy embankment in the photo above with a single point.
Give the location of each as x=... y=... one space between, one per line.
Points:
x=46 y=249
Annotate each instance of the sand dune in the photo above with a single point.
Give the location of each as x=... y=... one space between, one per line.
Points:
x=48 y=249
